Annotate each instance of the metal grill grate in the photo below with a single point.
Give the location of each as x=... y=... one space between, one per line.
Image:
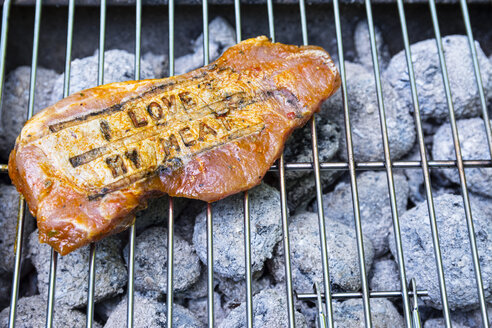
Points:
x=410 y=309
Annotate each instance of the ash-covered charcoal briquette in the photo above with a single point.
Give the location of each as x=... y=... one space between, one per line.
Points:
x=148 y=312
x=16 y=99
x=473 y=141
x=459 y=319
x=384 y=275
x=72 y=273
x=9 y=205
x=119 y=66
x=375 y=206
x=455 y=248
x=350 y=314
x=306 y=254
x=364 y=117
x=151 y=262
x=222 y=36
x=298 y=149
x=234 y=292
x=198 y=306
x=269 y=310
x=430 y=87
x=362 y=43
x=31 y=312
x=5 y=284
x=440 y=322
x=228 y=231
x=157 y=213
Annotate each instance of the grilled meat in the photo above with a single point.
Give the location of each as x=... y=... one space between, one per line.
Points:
x=87 y=163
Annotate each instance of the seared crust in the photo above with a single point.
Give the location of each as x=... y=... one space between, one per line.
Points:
x=86 y=164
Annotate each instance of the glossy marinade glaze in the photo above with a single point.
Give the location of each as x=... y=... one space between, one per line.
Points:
x=86 y=164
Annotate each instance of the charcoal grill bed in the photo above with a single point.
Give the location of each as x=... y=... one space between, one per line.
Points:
x=408 y=294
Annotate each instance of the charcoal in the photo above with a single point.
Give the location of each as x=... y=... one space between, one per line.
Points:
x=301 y=184
x=148 y=312
x=362 y=45
x=185 y=222
x=5 y=284
x=228 y=231
x=104 y=308
x=157 y=213
x=16 y=100
x=364 y=117
x=440 y=323
x=198 y=289
x=302 y=191
x=299 y=146
x=198 y=306
x=72 y=273
x=350 y=314
x=430 y=87
x=473 y=141
x=470 y=319
x=119 y=66
x=235 y=292
x=375 y=206
x=269 y=310
x=159 y=64
x=222 y=36
x=31 y=312
x=306 y=254
x=9 y=205
x=455 y=250
x=151 y=262
x=384 y=275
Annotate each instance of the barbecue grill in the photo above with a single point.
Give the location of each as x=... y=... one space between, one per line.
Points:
x=408 y=294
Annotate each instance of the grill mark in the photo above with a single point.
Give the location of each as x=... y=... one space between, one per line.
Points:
x=118 y=107
x=170 y=164
x=95 y=153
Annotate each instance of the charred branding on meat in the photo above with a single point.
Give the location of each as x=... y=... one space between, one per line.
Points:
x=152 y=133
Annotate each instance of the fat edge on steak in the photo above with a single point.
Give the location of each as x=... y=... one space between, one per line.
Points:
x=86 y=164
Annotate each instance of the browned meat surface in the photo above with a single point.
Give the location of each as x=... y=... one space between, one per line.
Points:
x=87 y=163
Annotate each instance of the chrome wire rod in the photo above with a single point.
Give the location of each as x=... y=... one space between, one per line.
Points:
x=425 y=168
x=131 y=246
x=372 y=294
x=170 y=224
x=247 y=218
x=319 y=196
x=416 y=322
x=92 y=249
x=170 y=265
x=22 y=204
x=389 y=169
x=478 y=76
x=3 y=47
x=283 y=206
x=66 y=91
x=210 y=267
x=210 y=244
x=461 y=169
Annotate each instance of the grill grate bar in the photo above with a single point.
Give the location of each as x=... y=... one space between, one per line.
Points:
x=170 y=226
x=51 y=289
x=210 y=269
x=425 y=169
x=476 y=69
x=170 y=264
x=351 y=167
x=371 y=165
x=131 y=244
x=247 y=218
x=373 y=294
x=283 y=205
x=389 y=169
x=22 y=203
x=461 y=169
x=319 y=191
